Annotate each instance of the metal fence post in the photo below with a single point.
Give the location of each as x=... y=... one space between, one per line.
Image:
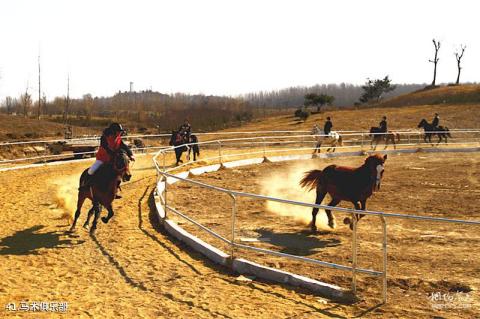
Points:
x=264 y=155
x=234 y=213
x=220 y=152
x=354 y=254
x=384 y=247
x=164 y=161
x=165 y=195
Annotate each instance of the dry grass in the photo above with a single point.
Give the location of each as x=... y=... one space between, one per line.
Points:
x=18 y=127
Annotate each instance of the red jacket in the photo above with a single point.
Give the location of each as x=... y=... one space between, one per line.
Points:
x=113 y=143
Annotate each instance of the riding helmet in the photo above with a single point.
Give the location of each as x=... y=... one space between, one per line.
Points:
x=116 y=127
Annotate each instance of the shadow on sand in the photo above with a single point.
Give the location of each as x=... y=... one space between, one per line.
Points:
x=297 y=243
x=30 y=240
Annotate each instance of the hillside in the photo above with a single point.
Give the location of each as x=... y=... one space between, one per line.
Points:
x=459 y=107
x=461 y=94
x=19 y=128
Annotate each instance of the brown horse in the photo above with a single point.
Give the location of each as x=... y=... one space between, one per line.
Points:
x=355 y=185
x=103 y=190
x=378 y=136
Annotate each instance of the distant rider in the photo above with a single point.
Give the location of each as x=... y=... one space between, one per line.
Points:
x=383 y=125
x=327 y=128
x=436 y=121
x=185 y=130
x=110 y=143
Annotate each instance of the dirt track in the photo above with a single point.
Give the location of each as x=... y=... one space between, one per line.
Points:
x=130 y=269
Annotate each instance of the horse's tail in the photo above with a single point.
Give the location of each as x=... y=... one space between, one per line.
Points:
x=311 y=179
x=447 y=131
x=340 y=140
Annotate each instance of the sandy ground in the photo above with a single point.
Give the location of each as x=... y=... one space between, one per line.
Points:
x=425 y=259
x=130 y=269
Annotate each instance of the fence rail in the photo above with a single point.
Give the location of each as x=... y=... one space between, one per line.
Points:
x=164 y=174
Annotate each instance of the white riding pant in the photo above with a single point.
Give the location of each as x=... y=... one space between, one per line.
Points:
x=94 y=167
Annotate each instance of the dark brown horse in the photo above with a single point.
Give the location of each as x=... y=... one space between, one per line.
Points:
x=430 y=130
x=355 y=185
x=377 y=136
x=103 y=190
x=180 y=143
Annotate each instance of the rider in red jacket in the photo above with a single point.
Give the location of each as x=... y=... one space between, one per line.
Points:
x=110 y=143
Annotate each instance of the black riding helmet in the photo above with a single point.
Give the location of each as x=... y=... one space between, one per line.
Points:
x=116 y=127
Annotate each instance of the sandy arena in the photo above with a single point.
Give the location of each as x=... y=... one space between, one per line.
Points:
x=132 y=269
x=423 y=257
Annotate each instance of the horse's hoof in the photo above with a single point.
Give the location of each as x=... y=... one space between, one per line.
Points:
x=347 y=221
x=92 y=231
x=331 y=224
x=104 y=220
x=85 y=226
x=71 y=230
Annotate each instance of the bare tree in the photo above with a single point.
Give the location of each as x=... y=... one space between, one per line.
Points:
x=459 y=56
x=39 y=110
x=435 y=60
x=26 y=100
x=88 y=105
x=67 y=102
x=9 y=104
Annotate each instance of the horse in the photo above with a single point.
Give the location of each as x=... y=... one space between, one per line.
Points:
x=377 y=135
x=193 y=147
x=103 y=190
x=441 y=131
x=178 y=141
x=355 y=185
x=333 y=139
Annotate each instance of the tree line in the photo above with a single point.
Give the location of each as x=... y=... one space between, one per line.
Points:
x=139 y=109
x=344 y=94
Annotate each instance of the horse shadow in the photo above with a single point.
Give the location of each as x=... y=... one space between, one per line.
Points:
x=297 y=243
x=30 y=240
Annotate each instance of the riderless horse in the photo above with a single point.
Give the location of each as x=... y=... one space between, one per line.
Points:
x=355 y=185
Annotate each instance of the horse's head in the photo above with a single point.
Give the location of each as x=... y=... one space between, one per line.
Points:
x=376 y=166
x=121 y=166
x=422 y=123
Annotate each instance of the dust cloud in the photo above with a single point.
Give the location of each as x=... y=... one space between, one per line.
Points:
x=66 y=190
x=284 y=184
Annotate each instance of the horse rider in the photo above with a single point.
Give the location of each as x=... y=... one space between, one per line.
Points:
x=383 y=125
x=185 y=130
x=327 y=128
x=436 y=121
x=110 y=143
